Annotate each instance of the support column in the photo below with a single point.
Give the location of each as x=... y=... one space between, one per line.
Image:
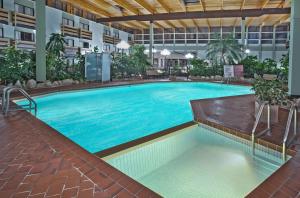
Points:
x=151 y=43
x=274 y=43
x=243 y=31
x=40 y=40
x=260 y=43
x=294 y=67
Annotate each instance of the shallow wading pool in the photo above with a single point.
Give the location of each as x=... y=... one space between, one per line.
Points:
x=198 y=162
x=98 y=119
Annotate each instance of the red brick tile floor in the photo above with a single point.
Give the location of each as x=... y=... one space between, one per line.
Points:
x=37 y=161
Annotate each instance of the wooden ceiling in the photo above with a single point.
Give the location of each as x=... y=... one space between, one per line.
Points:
x=113 y=8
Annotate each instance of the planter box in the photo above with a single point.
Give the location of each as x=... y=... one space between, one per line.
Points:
x=172 y=78
x=264 y=117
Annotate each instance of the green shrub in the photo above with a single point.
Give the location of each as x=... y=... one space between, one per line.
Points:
x=201 y=68
x=268 y=66
x=284 y=67
x=16 y=65
x=138 y=59
x=135 y=63
x=250 y=64
x=271 y=91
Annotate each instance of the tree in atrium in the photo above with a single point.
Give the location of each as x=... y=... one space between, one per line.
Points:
x=224 y=50
x=56 y=66
x=56 y=44
x=139 y=59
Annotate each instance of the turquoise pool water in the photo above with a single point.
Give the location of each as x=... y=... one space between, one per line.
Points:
x=98 y=119
x=198 y=162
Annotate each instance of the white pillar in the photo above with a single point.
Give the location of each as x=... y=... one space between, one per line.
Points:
x=260 y=43
x=294 y=67
x=274 y=43
x=151 y=43
x=243 y=31
x=40 y=40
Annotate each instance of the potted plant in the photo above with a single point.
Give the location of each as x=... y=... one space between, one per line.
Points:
x=271 y=91
x=173 y=74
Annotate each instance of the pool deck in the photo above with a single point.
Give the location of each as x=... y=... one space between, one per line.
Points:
x=235 y=115
x=37 y=161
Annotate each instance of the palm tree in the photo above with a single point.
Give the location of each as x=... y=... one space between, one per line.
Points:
x=224 y=50
x=56 y=44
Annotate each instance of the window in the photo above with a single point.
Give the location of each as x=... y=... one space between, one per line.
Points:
x=215 y=30
x=253 y=34
x=106 y=48
x=1 y=33
x=85 y=45
x=24 y=36
x=24 y=9
x=281 y=35
x=70 y=42
x=68 y=22
x=116 y=34
x=90 y=16
x=84 y=26
x=107 y=32
x=1 y=3
x=78 y=12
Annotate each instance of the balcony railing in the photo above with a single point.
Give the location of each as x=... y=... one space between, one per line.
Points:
x=4 y=42
x=25 y=44
x=131 y=43
x=116 y=40
x=85 y=34
x=23 y=20
x=108 y=39
x=69 y=31
x=111 y=39
x=3 y=16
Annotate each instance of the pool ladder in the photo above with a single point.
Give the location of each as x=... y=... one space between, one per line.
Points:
x=6 y=101
x=292 y=114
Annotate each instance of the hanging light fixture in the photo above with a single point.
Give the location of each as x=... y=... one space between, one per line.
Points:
x=123 y=45
x=165 y=52
x=146 y=51
x=189 y=56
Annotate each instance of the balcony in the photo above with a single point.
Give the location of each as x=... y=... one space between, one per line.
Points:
x=3 y=16
x=23 y=20
x=131 y=43
x=85 y=34
x=4 y=42
x=116 y=40
x=29 y=45
x=69 y=31
x=108 y=39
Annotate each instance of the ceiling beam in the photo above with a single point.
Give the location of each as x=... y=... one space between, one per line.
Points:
x=145 y=5
x=264 y=4
x=199 y=15
x=281 y=20
x=89 y=7
x=126 y=6
x=164 y=5
x=203 y=5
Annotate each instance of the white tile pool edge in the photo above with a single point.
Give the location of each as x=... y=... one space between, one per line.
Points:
x=270 y=154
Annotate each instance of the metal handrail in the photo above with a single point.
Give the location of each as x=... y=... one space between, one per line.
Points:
x=293 y=112
x=6 y=99
x=258 y=117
